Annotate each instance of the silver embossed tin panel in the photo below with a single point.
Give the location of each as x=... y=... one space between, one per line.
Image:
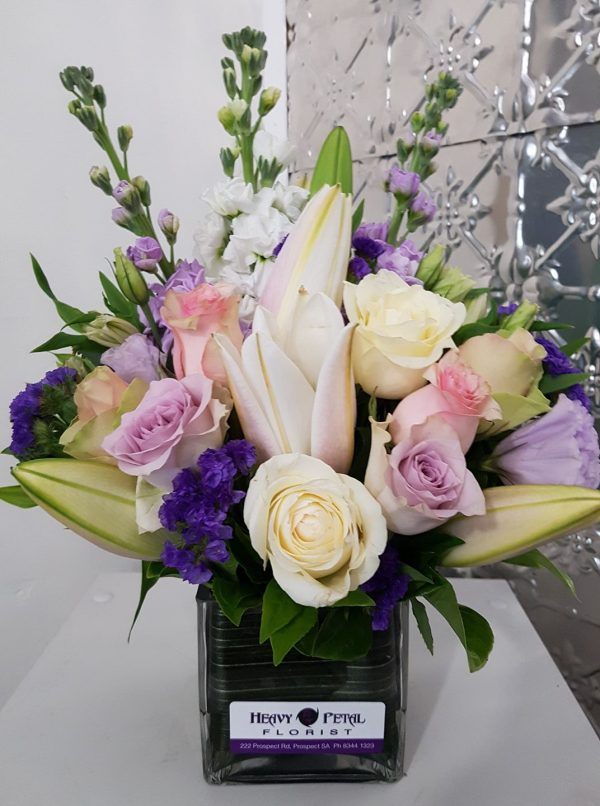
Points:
x=518 y=189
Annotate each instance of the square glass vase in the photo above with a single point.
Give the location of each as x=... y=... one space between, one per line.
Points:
x=306 y=720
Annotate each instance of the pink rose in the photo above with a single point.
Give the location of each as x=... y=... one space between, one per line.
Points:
x=174 y=423
x=193 y=317
x=424 y=481
x=456 y=392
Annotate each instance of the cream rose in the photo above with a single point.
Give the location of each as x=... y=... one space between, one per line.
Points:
x=321 y=531
x=401 y=331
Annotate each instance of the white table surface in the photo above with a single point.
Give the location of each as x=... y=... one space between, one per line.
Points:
x=98 y=722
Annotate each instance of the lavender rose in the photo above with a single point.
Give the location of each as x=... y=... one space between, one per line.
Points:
x=424 y=481
x=145 y=253
x=174 y=423
x=560 y=447
x=137 y=357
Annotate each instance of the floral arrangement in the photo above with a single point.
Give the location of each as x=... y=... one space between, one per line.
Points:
x=315 y=417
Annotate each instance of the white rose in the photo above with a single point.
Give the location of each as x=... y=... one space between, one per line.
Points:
x=321 y=531
x=401 y=331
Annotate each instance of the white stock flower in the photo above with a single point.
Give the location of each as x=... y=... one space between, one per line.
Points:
x=230 y=197
x=321 y=531
x=290 y=199
x=211 y=239
x=254 y=236
x=269 y=147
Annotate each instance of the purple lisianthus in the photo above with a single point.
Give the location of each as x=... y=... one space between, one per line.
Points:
x=187 y=276
x=145 y=253
x=136 y=357
x=127 y=195
x=386 y=587
x=403 y=261
x=560 y=447
x=423 y=207
x=431 y=141
x=403 y=183
x=369 y=240
x=120 y=216
x=168 y=223
x=198 y=508
x=359 y=268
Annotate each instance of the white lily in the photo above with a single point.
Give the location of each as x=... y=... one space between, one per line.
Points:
x=518 y=518
x=280 y=409
x=314 y=256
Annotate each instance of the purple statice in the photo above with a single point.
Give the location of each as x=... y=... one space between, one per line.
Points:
x=145 y=253
x=198 y=507
x=578 y=393
x=279 y=246
x=507 y=309
x=358 y=268
x=187 y=276
x=557 y=363
x=387 y=587
x=403 y=261
x=369 y=240
x=403 y=184
x=31 y=436
x=423 y=207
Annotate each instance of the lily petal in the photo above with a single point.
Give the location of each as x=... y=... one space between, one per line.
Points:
x=334 y=413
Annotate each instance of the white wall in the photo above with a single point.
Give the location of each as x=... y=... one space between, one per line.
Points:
x=159 y=63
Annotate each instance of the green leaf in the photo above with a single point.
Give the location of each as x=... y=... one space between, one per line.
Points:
x=538 y=325
x=357 y=215
x=334 y=163
x=422 y=619
x=61 y=340
x=574 y=346
x=479 y=637
x=278 y=609
x=355 y=598
x=535 y=559
x=233 y=597
x=472 y=630
x=474 y=329
x=151 y=573
x=16 y=496
x=68 y=313
x=117 y=302
x=345 y=634
x=415 y=574
x=550 y=385
x=242 y=550
x=287 y=637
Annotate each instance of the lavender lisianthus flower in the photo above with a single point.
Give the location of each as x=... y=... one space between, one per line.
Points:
x=145 y=253
x=423 y=207
x=136 y=357
x=369 y=240
x=403 y=183
x=560 y=447
x=386 y=587
x=127 y=195
x=403 y=261
x=431 y=141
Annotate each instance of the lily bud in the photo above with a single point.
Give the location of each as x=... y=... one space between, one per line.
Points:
x=109 y=331
x=512 y=523
x=268 y=99
x=100 y=178
x=124 y=136
x=130 y=280
x=143 y=187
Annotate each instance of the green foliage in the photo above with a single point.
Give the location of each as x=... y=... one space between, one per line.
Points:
x=334 y=163
x=552 y=384
x=535 y=559
x=117 y=302
x=345 y=634
x=291 y=633
x=574 y=346
x=71 y=316
x=16 y=495
x=422 y=619
x=357 y=215
x=152 y=571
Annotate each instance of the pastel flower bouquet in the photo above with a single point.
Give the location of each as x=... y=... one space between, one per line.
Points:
x=310 y=421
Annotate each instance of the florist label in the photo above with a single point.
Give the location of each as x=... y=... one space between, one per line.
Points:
x=306 y=727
